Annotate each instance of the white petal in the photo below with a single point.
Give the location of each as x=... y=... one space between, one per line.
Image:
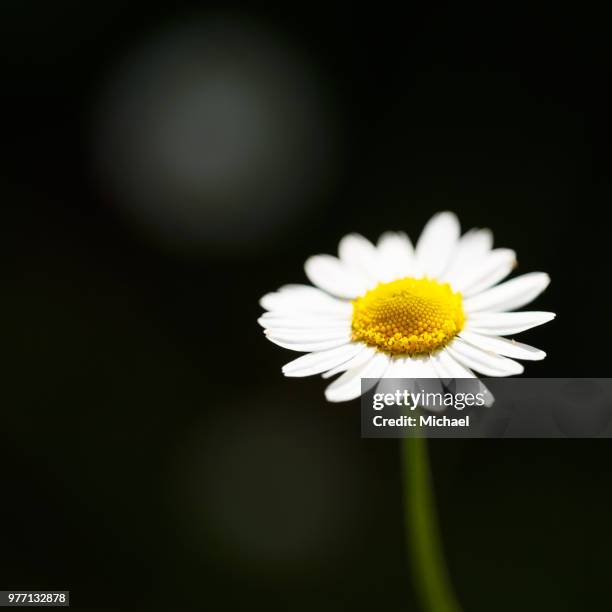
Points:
x=491 y=269
x=335 y=277
x=473 y=246
x=506 y=323
x=509 y=295
x=292 y=299
x=399 y=367
x=348 y=386
x=440 y=369
x=366 y=353
x=360 y=255
x=412 y=368
x=309 y=345
x=293 y=335
x=486 y=363
x=315 y=363
x=427 y=370
x=419 y=370
x=271 y=320
x=502 y=346
x=395 y=256
x=419 y=367
x=436 y=243
x=448 y=367
x=309 y=335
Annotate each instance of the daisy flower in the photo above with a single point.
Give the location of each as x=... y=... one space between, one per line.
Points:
x=392 y=310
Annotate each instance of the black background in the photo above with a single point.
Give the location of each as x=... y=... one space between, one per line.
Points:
x=151 y=449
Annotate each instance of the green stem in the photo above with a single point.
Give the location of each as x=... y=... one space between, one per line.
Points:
x=429 y=571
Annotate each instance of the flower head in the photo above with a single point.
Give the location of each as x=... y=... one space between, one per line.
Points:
x=392 y=310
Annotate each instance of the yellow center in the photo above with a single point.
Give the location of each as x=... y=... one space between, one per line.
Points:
x=408 y=316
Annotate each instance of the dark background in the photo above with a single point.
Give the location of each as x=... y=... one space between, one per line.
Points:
x=151 y=450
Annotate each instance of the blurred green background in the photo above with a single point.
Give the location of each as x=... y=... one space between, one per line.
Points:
x=165 y=165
